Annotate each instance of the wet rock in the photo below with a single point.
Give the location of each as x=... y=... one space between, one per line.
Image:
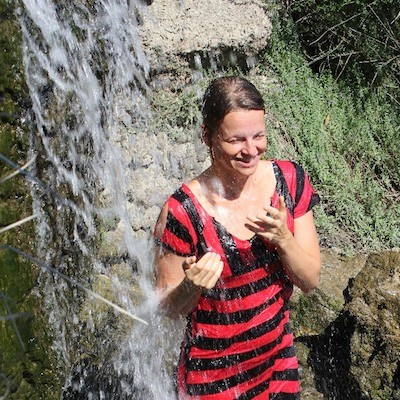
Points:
x=357 y=354
x=374 y=305
x=313 y=312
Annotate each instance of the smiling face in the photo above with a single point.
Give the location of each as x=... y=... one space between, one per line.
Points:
x=240 y=142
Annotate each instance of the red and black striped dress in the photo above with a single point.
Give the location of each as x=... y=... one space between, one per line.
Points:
x=238 y=342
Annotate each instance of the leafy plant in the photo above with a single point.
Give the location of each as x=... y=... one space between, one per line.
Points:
x=357 y=39
x=347 y=138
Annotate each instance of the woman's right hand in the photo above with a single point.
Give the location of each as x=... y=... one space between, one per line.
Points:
x=205 y=272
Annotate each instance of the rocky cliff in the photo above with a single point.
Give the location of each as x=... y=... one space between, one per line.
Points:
x=347 y=330
x=180 y=36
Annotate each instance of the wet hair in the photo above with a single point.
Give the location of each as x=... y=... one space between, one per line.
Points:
x=224 y=95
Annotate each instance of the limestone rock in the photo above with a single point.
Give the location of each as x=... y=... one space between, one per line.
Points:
x=313 y=312
x=374 y=305
x=357 y=355
x=189 y=33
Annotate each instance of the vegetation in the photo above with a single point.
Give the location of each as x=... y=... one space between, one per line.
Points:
x=26 y=369
x=347 y=137
x=355 y=40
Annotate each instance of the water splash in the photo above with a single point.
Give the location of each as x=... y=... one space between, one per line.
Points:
x=87 y=77
x=73 y=282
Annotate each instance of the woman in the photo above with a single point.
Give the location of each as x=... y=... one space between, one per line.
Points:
x=233 y=241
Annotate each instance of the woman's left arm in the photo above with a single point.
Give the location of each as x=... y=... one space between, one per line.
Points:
x=299 y=253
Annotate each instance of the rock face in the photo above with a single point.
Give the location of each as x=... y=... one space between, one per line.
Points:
x=179 y=34
x=374 y=309
x=145 y=197
x=312 y=313
x=347 y=335
x=357 y=354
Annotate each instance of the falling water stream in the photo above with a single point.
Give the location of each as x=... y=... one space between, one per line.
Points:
x=87 y=77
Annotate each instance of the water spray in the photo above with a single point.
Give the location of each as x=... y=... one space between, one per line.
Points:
x=18 y=223
x=72 y=281
x=18 y=171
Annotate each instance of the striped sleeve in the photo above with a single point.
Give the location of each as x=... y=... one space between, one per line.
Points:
x=177 y=236
x=305 y=197
x=294 y=184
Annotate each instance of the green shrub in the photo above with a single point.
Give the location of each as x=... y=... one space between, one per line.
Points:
x=359 y=40
x=347 y=138
x=349 y=142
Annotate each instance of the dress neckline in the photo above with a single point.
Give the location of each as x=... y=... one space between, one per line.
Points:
x=215 y=221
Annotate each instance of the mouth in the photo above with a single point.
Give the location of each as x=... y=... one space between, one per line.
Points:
x=248 y=162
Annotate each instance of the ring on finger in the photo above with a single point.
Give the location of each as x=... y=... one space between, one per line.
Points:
x=185 y=265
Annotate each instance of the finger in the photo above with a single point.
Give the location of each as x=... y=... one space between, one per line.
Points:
x=256 y=225
x=282 y=205
x=210 y=270
x=188 y=262
x=214 y=278
x=185 y=265
x=270 y=211
x=210 y=263
x=198 y=270
x=265 y=221
x=206 y=260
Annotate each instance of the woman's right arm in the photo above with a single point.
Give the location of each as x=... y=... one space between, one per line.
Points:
x=180 y=280
x=178 y=295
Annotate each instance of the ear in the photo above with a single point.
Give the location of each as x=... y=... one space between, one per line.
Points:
x=204 y=136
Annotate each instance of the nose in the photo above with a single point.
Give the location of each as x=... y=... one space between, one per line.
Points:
x=250 y=147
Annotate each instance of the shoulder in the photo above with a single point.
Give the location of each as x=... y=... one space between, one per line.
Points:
x=265 y=169
x=297 y=182
x=173 y=205
x=291 y=170
x=288 y=165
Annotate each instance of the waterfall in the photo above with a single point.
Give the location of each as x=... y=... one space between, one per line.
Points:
x=88 y=81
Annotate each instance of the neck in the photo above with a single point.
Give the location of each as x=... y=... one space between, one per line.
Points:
x=224 y=186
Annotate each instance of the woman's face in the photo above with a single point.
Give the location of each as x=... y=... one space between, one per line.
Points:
x=240 y=142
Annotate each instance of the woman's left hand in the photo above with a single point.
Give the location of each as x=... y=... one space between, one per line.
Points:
x=272 y=226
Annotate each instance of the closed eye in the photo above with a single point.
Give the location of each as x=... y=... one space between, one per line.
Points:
x=236 y=140
x=260 y=135
x=241 y=139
